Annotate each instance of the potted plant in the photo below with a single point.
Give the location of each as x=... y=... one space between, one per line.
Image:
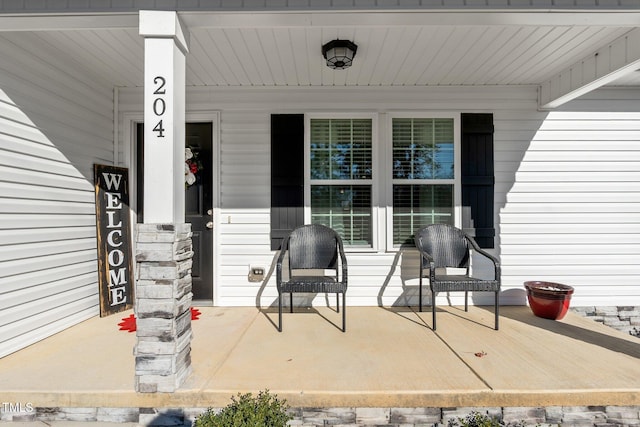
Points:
x=547 y=299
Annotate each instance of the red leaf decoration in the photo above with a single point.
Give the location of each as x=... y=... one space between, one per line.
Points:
x=129 y=323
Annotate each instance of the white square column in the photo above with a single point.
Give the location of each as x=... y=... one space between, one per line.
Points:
x=165 y=49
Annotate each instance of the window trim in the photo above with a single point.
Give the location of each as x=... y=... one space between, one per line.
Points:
x=375 y=173
x=386 y=168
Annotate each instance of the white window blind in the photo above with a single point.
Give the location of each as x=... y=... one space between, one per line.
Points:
x=422 y=175
x=340 y=177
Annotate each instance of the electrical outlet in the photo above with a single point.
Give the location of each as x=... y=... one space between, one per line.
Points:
x=256 y=274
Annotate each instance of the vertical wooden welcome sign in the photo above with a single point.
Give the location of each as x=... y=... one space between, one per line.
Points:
x=113 y=223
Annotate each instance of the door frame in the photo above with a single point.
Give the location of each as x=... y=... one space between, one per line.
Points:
x=129 y=122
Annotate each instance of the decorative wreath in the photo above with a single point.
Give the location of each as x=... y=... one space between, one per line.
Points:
x=191 y=166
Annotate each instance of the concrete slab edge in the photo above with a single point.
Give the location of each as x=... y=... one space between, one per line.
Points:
x=329 y=399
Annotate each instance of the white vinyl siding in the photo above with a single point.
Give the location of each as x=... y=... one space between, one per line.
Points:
x=242 y=231
x=55 y=122
x=573 y=213
x=545 y=214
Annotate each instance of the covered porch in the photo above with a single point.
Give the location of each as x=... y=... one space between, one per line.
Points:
x=514 y=65
x=389 y=358
x=495 y=62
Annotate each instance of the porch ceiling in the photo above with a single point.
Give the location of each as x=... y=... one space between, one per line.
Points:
x=394 y=49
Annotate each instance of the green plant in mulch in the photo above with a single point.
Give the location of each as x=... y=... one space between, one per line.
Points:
x=476 y=419
x=245 y=410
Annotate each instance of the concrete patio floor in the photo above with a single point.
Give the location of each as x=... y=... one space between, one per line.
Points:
x=389 y=357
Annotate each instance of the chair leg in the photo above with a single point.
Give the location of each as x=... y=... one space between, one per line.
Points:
x=466 y=300
x=338 y=302
x=279 y=312
x=433 y=308
x=497 y=309
x=290 y=302
x=344 y=312
x=420 y=292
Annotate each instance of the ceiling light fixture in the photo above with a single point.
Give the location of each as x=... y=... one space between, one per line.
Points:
x=339 y=54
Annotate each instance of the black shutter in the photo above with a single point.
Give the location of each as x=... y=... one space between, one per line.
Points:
x=287 y=175
x=477 y=175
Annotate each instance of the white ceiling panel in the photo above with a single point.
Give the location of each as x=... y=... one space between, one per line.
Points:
x=388 y=55
x=115 y=56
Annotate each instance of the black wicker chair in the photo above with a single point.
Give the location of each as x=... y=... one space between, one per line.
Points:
x=307 y=248
x=444 y=246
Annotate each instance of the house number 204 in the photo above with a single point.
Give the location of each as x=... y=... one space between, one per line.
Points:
x=159 y=104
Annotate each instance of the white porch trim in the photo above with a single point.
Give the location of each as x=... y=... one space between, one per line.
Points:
x=340 y=18
x=68 y=21
x=323 y=18
x=607 y=64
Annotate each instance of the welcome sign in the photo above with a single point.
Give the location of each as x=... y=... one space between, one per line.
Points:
x=113 y=223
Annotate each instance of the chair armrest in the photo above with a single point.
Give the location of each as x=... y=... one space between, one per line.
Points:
x=432 y=266
x=343 y=261
x=284 y=248
x=478 y=249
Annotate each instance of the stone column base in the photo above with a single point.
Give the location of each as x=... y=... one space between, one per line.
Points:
x=163 y=307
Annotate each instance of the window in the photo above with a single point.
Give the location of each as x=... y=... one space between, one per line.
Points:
x=341 y=177
x=423 y=174
x=365 y=187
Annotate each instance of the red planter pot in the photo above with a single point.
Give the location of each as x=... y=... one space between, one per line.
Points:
x=547 y=299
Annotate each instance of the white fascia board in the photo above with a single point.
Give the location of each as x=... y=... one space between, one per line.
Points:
x=70 y=21
x=607 y=64
x=422 y=17
x=258 y=19
x=164 y=24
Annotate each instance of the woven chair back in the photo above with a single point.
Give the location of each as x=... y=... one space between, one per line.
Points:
x=313 y=246
x=446 y=244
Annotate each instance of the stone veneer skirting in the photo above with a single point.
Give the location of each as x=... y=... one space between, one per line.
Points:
x=623 y=318
x=601 y=416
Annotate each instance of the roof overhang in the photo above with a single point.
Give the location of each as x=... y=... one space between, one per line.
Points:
x=602 y=59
